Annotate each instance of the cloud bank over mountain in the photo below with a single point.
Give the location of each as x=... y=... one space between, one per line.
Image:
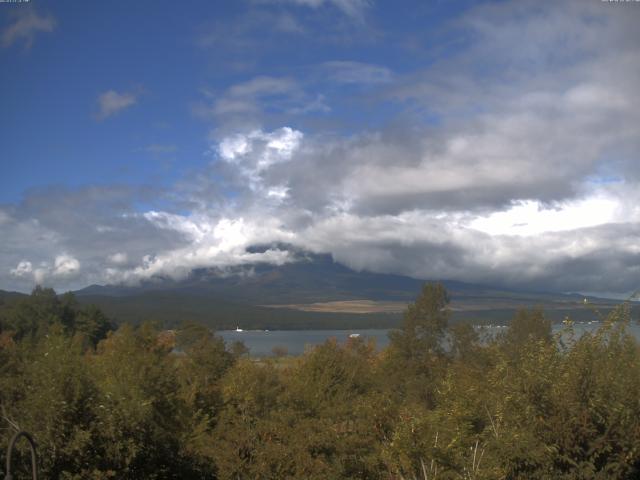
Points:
x=512 y=161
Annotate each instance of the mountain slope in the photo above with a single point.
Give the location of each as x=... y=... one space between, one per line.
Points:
x=314 y=292
x=313 y=278
x=6 y=296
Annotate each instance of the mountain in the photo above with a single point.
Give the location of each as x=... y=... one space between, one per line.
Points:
x=312 y=278
x=312 y=292
x=7 y=297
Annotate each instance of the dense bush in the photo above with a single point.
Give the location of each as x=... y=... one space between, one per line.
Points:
x=438 y=403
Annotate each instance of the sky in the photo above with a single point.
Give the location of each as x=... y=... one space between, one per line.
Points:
x=493 y=142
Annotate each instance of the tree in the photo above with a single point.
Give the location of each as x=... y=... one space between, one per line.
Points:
x=464 y=342
x=415 y=356
x=54 y=398
x=528 y=326
x=141 y=413
x=32 y=317
x=424 y=324
x=92 y=324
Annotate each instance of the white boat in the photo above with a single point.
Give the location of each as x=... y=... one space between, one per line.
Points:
x=238 y=329
x=354 y=335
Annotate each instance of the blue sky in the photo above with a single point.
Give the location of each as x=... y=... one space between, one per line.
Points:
x=165 y=55
x=482 y=141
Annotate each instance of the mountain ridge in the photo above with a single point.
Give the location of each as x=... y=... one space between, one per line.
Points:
x=314 y=278
x=312 y=292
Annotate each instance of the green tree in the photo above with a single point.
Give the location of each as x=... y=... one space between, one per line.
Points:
x=32 y=317
x=141 y=413
x=54 y=398
x=424 y=324
x=527 y=326
x=92 y=324
x=415 y=357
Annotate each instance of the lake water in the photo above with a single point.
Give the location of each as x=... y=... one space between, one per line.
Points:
x=262 y=342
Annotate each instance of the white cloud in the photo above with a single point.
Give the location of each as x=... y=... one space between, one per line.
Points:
x=245 y=105
x=236 y=146
x=262 y=86
x=194 y=228
x=288 y=24
x=23 y=269
x=40 y=275
x=532 y=218
x=65 y=265
x=594 y=95
x=318 y=104
x=118 y=258
x=257 y=151
x=112 y=102
x=357 y=73
x=27 y=25
x=352 y=8
x=219 y=243
x=278 y=192
x=247 y=98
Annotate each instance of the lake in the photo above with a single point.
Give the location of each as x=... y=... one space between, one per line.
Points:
x=262 y=342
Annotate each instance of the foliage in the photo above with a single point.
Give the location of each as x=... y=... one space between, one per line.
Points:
x=32 y=317
x=416 y=358
x=440 y=402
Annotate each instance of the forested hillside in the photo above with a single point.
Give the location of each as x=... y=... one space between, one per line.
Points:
x=438 y=403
